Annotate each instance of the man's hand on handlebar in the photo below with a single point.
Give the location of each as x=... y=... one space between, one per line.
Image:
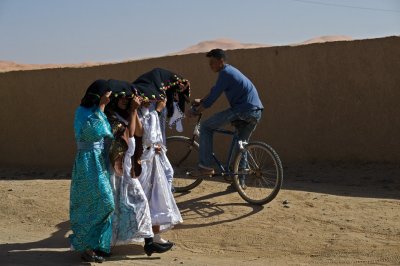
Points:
x=194 y=110
x=196 y=102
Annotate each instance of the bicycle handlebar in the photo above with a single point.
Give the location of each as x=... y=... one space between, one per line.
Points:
x=193 y=110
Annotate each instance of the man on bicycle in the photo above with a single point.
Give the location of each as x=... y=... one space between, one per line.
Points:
x=245 y=105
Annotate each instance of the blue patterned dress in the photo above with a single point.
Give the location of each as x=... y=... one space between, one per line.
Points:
x=91 y=198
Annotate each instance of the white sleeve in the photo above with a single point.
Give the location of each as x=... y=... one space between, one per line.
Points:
x=128 y=156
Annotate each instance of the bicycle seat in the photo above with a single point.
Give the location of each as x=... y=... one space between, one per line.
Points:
x=239 y=123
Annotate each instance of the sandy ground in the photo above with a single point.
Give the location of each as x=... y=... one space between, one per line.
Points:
x=337 y=214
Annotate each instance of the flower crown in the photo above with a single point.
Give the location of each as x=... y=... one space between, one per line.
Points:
x=170 y=84
x=166 y=86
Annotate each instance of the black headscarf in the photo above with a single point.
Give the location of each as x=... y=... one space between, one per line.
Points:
x=159 y=84
x=119 y=89
x=93 y=94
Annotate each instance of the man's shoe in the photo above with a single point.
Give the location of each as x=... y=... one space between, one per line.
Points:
x=203 y=171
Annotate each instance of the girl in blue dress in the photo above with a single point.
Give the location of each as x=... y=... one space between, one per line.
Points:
x=91 y=198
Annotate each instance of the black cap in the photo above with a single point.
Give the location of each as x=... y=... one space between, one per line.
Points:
x=217 y=53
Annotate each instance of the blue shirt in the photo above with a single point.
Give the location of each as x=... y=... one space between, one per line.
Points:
x=241 y=93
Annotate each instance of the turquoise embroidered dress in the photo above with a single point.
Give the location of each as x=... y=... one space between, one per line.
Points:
x=91 y=197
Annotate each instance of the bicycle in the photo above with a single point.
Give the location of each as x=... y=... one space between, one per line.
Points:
x=257 y=183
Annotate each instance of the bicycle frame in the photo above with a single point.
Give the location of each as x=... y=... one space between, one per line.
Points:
x=224 y=169
x=249 y=176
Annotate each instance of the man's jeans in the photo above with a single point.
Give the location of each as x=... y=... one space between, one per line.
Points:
x=219 y=120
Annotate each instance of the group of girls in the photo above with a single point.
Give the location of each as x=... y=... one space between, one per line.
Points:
x=121 y=187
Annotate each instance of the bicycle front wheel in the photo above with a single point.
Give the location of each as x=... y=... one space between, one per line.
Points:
x=258 y=173
x=183 y=155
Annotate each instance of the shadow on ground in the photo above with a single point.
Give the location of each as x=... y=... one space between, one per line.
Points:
x=370 y=180
x=353 y=179
x=33 y=174
x=54 y=250
x=205 y=207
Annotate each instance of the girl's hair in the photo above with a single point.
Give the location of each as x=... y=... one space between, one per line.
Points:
x=90 y=99
x=112 y=106
x=117 y=149
x=182 y=97
x=93 y=94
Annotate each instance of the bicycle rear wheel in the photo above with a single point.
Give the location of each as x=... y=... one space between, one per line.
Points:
x=183 y=155
x=260 y=177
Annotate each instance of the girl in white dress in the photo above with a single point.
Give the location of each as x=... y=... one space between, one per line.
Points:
x=131 y=219
x=157 y=172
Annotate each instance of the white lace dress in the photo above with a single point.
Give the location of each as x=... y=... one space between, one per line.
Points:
x=131 y=220
x=157 y=173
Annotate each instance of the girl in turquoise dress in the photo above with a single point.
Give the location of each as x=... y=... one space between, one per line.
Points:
x=91 y=197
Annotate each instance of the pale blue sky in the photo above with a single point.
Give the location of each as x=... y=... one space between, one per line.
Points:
x=74 y=31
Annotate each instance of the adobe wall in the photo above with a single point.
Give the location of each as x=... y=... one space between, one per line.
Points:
x=331 y=101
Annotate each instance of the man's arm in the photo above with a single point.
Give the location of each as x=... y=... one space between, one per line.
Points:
x=216 y=91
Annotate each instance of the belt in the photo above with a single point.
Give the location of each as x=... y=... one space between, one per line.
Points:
x=87 y=146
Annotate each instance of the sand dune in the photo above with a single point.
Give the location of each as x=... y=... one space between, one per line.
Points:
x=321 y=39
x=6 y=66
x=226 y=44
x=201 y=47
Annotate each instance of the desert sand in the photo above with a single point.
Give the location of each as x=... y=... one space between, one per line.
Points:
x=336 y=214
